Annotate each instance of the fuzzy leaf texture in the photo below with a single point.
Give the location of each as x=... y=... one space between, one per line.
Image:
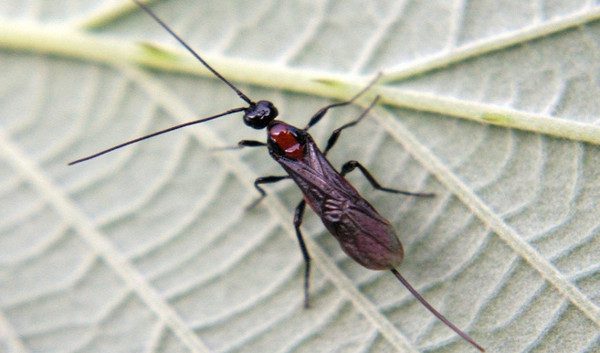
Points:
x=150 y=248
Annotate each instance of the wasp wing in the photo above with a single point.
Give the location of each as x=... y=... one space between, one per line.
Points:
x=363 y=233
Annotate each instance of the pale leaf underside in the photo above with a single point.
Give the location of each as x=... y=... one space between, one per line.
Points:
x=150 y=249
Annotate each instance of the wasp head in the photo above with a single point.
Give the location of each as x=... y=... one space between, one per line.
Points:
x=258 y=115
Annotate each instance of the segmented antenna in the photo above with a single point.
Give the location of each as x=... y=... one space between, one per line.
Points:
x=192 y=51
x=210 y=68
x=230 y=111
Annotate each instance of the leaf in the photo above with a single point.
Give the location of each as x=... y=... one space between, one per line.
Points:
x=150 y=248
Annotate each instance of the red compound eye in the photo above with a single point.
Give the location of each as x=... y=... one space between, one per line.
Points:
x=285 y=138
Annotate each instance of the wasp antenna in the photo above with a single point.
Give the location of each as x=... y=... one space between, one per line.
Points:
x=130 y=142
x=435 y=312
x=192 y=51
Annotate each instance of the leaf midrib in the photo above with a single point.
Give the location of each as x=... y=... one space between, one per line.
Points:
x=71 y=42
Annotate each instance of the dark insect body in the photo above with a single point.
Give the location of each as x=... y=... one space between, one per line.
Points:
x=363 y=234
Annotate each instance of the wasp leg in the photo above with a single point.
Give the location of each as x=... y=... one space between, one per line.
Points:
x=242 y=144
x=264 y=180
x=298 y=215
x=321 y=113
x=351 y=165
x=336 y=133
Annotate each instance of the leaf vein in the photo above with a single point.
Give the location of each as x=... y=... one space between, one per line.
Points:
x=98 y=242
x=488 y=216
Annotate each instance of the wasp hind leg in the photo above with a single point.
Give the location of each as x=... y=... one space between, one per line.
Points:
x=351 y=165
x=298 y=216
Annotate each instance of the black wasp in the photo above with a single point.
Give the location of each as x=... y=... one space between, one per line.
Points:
x=363 y=234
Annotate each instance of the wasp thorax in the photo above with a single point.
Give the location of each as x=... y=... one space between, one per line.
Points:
x=258 y=115
x=287 y=139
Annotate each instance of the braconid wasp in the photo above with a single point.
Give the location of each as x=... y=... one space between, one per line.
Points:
x=363 y=234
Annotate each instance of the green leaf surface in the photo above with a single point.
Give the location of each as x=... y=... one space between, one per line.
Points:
x=150 y=249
